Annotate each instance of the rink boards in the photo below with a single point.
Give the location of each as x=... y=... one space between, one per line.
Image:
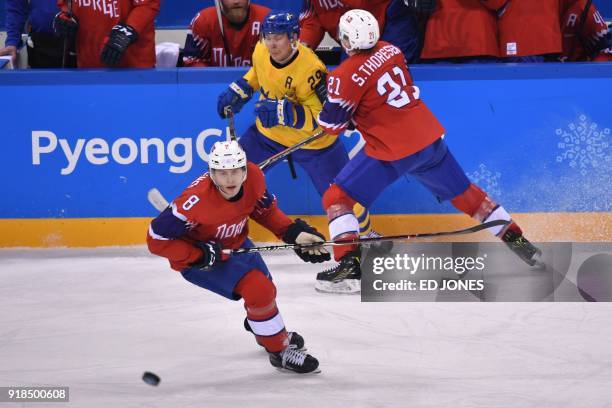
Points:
x=82 y=149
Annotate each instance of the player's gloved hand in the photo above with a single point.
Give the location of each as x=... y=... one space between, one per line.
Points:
x=301 y=233
x=236 y=95
x=121 y=36
x=421 y=6
x=275 y=112
x=211 y=254
x=65 y=24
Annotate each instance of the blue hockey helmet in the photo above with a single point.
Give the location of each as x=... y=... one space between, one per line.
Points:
x=281 y=22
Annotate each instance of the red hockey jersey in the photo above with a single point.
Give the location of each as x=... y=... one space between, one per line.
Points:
x=528 y=27
x=321 y=16
x=461 y=28
x=375 y=90
x=204 y=45
x=201 y=213
x=593 y=30
x=97 y=18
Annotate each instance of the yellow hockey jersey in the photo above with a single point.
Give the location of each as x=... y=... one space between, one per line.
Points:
x=296 y=81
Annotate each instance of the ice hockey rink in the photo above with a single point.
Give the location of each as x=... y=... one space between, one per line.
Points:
x=95 y=319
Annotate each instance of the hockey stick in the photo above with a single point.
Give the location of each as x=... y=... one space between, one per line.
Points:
x=157 y=200
x=228 y=58
x=284 y=153
x=229 y=114
x=65 y=48
x=465 y=231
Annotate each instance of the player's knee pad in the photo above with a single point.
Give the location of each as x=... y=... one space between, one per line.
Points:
x=259 y=294
x=263 y=318
x=334 y=195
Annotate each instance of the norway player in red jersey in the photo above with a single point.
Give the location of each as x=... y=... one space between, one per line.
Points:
x=206 y=45
x=593 y=41
x=398 y=19
x=211 y=215
x=374 y=90
x=111 y=33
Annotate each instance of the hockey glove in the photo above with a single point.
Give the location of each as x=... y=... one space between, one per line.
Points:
x=421 y=6
x=237 y=95
x=275 y=112
x=211 y=254
x=65 y=24
x=120 y=37
x=301 y=233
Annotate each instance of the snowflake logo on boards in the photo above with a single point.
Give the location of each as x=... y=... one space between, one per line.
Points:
x=486 y=179
x=584 y=145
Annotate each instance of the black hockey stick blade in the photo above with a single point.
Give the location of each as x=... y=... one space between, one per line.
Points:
x=464 y=231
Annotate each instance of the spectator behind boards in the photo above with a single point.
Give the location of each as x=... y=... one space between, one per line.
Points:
x=120 y=33
x=210 y=44
x=45 y=50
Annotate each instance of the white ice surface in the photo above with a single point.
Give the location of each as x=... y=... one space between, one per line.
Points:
x=94 y=320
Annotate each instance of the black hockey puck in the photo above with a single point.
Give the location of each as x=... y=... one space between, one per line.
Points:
x=151 y=378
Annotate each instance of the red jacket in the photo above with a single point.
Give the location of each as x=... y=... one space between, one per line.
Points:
x=97 y=18
x=529 y=27
x=462 y=28
x=321 y=16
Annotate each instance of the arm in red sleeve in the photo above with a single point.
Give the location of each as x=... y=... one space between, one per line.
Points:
x=143 y=14
x=268 y=215
x=311 y=30
x=165 y=238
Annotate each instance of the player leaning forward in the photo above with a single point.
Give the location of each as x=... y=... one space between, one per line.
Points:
x=373 y=89
x=212 y=214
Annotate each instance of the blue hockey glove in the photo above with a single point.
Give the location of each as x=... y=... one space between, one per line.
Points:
x=237 y=95
x=275 y=112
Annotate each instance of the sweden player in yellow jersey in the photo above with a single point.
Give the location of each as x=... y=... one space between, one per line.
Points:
x=293 y=86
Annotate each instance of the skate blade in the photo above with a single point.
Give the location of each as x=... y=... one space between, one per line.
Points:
x=345 y=287
x=538 y=261
x=291 y=372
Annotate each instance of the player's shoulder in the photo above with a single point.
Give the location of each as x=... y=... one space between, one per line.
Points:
x=193 y=198
x=309 y=59
x=205 y=18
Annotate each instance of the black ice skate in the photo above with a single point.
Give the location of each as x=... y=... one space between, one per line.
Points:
x=342 y=278
x=295 y=360
x=380 y=247
x=514 y=239
x=295 y=340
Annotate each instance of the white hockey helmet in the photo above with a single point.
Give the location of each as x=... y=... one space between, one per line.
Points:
x=359 y=29
x=227 y=155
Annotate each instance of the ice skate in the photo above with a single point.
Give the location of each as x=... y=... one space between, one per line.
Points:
x=342 y=278
x=294 y=360
x=529 y=253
